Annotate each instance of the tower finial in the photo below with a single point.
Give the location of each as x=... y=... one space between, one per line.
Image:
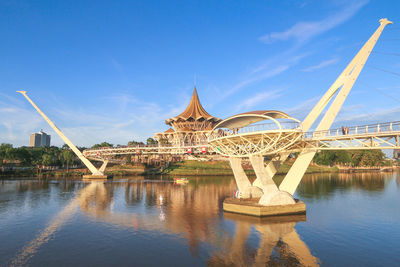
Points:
x=195 y=80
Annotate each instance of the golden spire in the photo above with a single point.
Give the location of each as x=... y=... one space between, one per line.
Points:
x=194 y=111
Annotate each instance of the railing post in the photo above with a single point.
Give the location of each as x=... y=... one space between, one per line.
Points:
x=366 y=129
x=391 y=129
x=356 y=130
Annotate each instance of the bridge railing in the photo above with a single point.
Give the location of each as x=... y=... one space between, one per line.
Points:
x=255 y=128
x=356 y=130
x=144 y=146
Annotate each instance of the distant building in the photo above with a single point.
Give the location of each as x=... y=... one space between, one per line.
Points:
x=39 y=139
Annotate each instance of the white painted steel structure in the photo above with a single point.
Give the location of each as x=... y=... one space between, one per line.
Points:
x=243 y=136
x=254 y=140
x=106 y=152
x=375 y=136
x=85 y=161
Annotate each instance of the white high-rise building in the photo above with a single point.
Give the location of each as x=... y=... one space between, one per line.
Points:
x=39 y=139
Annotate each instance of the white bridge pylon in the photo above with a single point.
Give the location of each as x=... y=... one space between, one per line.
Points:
x=236 y=137
x=85 y=161
x=239 y=137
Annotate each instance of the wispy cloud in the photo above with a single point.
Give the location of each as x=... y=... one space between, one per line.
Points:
x=301 y=110
x=350 y=115
x=116 y=65
x=257 y=99
x=282 y=62
x=271 y=67
x=83 y=127
x=257 y=77
x=321 y=65
x=305 y=30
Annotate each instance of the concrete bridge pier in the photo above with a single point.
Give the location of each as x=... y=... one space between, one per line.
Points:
x=246 y=190
x=271 y=194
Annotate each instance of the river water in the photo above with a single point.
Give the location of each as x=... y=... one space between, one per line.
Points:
x=351 y=220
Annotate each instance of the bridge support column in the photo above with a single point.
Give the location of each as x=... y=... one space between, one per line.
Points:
x=242 y=181
x=296 y=172
x=272 y=167
x=103 y=166
x=271 y=194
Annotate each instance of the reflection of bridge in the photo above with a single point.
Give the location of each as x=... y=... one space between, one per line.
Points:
x=176 y=216
x=240 y=136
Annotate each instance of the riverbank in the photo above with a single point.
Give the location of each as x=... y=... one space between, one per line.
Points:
x=222 y=168
x=115 y=170
x=184 y=168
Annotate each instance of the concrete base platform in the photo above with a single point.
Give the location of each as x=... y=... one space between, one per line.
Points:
x=96 y=177
x=266 y=219
x=251 y=207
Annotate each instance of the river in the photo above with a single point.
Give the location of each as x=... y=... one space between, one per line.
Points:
x=351 y=220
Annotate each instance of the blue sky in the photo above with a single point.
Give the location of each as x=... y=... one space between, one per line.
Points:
x=115 y=70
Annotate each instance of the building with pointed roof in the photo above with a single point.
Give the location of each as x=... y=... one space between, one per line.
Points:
x=191 y=127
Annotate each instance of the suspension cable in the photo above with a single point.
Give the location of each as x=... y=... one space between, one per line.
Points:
x=381 y=91
x=388 y=71
x=386 y=53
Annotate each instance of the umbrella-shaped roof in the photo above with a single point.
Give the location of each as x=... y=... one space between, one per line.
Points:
x=194 y=111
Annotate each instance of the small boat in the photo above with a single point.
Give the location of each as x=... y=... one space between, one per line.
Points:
x=181 y=180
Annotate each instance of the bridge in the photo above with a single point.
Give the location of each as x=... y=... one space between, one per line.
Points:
x=244 y=136
x=262 y=139
x=256 y=139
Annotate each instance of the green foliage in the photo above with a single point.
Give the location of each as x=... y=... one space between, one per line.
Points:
x=103 y=144
x=132 y=143
x=47 y=160
x=357 y=158
x=6 y=153
x=151 y=141
x=37 y=156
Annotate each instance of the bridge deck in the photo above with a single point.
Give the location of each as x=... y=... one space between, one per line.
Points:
x=251 y=140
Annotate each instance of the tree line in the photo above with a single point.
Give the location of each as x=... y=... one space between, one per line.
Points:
x=64 y=157
x=37 y=156
x=48 y=156
x=355 y=158
x=149 y=141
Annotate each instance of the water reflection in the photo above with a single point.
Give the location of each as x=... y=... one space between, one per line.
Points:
x=192 y=213
x=325 y=185
x=58 y=221
x=279 y=243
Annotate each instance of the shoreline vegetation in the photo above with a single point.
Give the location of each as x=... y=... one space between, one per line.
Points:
x=183 y=168
x=62 y=162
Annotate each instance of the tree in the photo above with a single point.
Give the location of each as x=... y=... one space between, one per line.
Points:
x=132 y=143
x=68 y=158
x=103 y=144
x=343 y=157
x=47 y=159
x=151 y=141
x=355 y=158
x=6 y=152
x=23 y=156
